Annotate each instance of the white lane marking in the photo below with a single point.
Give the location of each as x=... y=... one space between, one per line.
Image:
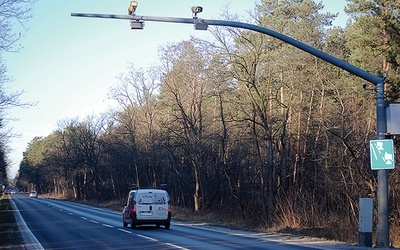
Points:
x=106 y=225
x=125 y=231
x=83 y=218
x=60 y=210
x=176 y=246
x=27 y=235
x=94 y=221
x=148 y=238
x=155 y=240
x=70 y=213
x=93 y=208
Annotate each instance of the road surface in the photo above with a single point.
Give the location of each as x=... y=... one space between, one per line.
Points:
x=67 y=225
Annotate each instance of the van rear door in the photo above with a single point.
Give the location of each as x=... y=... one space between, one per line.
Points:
x=152 y=205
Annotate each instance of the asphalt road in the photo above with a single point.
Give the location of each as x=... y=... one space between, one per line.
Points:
x=66 y=225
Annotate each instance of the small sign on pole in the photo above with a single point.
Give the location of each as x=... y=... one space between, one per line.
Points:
x=382 y=154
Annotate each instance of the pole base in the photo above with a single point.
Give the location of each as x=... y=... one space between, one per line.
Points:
x=365 y=239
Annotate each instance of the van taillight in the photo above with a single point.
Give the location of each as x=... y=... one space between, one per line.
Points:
x=169 y=207
x=134 y=206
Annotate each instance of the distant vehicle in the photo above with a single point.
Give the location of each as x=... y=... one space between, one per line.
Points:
x=33 y=194
x=147 y=206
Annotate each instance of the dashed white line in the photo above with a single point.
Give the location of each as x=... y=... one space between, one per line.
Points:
x=176 y=246
x=125 y=231
x=94 y=221
x=83 y=218
x=155 y=240
x=106 y=225
x=70 y=213
x=148 y=238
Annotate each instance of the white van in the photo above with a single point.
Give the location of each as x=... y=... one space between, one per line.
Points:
x=147 y=206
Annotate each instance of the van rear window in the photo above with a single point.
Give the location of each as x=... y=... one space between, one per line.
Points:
x=160 y=199
x=146 y=198
x=151 y=198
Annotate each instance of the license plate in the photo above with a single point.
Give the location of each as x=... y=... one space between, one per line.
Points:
x=146 y=213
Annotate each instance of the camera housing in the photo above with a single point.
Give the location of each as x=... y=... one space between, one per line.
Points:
x=196 y=10
x=132 y=8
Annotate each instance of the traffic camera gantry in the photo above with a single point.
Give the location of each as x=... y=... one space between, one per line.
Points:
x=137 y=22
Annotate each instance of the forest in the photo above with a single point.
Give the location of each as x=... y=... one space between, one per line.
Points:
x=242 y=124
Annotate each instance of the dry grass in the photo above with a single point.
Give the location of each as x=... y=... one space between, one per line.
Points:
x=395 y=236
x=214 y=219
x=338 y=229
x=10 y=237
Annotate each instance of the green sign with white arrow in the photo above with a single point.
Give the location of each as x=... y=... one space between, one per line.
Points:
x=382 y=155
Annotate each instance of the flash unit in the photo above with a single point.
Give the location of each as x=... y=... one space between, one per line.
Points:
x=137 y=24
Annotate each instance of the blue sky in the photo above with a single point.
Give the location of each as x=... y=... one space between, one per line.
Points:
x=68 y=64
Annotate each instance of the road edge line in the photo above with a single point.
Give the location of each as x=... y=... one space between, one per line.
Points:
x=30 y=241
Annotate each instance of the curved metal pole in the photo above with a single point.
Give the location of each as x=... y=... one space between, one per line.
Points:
x=382 y=235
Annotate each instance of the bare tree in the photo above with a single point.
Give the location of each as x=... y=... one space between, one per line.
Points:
x=11 y=12
x=136 y=96
x=184 y=91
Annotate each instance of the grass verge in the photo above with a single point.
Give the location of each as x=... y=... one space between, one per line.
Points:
x=10 y=237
